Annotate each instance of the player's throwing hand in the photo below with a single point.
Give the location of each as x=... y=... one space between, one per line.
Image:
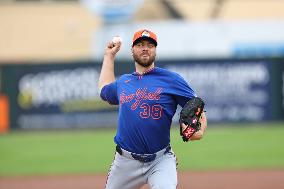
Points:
x=114 y=46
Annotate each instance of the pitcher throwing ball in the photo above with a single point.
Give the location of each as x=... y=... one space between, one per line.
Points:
x=147 y=100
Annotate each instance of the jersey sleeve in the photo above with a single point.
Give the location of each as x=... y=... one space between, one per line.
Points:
x=182 y=91
x=109 y=93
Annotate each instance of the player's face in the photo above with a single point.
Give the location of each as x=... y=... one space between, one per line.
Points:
x=144 y=53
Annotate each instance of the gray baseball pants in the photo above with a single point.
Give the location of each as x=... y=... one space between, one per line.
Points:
x=129 y=173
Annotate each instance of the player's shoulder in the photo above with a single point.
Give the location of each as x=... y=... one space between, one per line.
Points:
x=169 y=73
x=124 y=77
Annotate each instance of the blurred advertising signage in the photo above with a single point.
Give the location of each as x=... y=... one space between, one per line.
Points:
x=283 y=89
x=52 y=97
x=0 y=80
x=53 y=87
x=233 y=91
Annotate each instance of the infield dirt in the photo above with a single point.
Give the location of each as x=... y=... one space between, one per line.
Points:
x=247 y=179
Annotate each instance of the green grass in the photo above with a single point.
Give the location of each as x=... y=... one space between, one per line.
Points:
x=56 y=152
x=91 y=151
x=234 y=148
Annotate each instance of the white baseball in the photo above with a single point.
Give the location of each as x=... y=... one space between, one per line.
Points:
x=116 y=39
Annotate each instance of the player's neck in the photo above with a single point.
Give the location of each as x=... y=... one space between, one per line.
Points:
x=141 y=70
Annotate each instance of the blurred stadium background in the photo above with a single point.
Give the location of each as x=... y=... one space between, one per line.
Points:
x=230 y=51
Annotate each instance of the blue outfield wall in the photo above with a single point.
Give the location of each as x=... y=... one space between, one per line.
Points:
x=66 y=95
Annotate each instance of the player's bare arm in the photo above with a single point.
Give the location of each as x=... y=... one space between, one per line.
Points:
x=107 y=71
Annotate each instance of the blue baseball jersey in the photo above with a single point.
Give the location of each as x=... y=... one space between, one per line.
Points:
x=147 y=104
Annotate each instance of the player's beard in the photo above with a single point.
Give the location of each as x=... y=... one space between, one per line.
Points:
x=144 y=62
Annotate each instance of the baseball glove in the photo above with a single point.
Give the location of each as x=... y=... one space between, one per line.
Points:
x=190 y=115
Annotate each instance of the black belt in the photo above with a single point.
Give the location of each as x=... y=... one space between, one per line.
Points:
x=145 y=158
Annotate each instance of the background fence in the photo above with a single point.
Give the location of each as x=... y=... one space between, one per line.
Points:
x=64 y=95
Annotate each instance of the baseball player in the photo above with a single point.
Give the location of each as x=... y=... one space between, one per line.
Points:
x=147 y=100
